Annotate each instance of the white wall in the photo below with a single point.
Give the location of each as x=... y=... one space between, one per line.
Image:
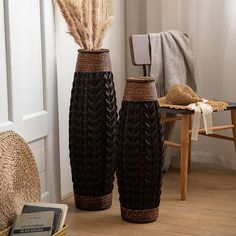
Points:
x=215 y=50
x=28 y=93
x=66 y=59
x=211 y=26
x=136 y=23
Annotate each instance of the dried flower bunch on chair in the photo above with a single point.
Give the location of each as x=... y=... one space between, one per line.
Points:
x=93 y=110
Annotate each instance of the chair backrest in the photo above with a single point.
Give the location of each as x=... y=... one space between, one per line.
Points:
x=141 y=51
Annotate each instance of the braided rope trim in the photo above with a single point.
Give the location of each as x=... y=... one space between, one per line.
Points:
x=139 y=216
x=140 y=90
x=89 y=203
x=93 y=61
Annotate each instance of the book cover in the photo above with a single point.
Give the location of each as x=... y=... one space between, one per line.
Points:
x=57 y=214
x=33 y=224
x=63 y=207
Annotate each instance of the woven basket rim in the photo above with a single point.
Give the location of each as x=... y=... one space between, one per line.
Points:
x=144 y=210
x=5 y=230
x=140 y=79
x=64 y=229
x=99 y=51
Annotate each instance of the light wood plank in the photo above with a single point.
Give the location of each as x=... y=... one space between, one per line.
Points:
x=172 y=144
x=210 y=209
x=190 y=147
x=219 y=136
x=171 y=119
x=233 y=117
x=184 y=155
x=216 y=128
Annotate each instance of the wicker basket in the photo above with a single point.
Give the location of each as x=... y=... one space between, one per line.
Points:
x=62 y=232
x=5 y=232
x=19 y=177
x=93 y=131
x=140 y=155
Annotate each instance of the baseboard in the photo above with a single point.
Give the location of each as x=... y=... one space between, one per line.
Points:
x=45 y=197
x=68 y=195
x=210 y=158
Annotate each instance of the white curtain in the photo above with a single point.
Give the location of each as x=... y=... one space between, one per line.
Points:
x=211 y=26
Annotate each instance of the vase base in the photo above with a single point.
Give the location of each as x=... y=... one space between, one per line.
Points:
x=88 y=203
x=139 y=216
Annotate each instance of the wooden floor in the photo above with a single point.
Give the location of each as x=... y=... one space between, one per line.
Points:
x=210 y=209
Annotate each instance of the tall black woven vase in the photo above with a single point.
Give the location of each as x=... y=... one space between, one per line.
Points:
x=140 y=153
x=93 y=131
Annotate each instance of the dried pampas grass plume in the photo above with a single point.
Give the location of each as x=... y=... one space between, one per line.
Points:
x=104 y=30
x=109 y=7
x=70 y=22
x=95 y=22
x=76 y=17
x=88 y=20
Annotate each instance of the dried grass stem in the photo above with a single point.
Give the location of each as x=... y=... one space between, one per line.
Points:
x=88 y=20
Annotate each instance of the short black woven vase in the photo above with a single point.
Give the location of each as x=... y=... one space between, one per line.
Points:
x=93 y=131
x=140 y=155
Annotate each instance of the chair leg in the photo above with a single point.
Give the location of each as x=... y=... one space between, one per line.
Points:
x=184 y=155
x=190 y=146
x=168 y=127
x=233 y=117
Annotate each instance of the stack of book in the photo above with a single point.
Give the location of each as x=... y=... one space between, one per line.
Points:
x=39 y=219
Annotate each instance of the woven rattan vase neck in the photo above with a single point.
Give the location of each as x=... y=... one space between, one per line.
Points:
x=141 y=89
x=90 y=61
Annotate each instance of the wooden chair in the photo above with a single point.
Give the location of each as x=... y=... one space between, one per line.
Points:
x=141 y=56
